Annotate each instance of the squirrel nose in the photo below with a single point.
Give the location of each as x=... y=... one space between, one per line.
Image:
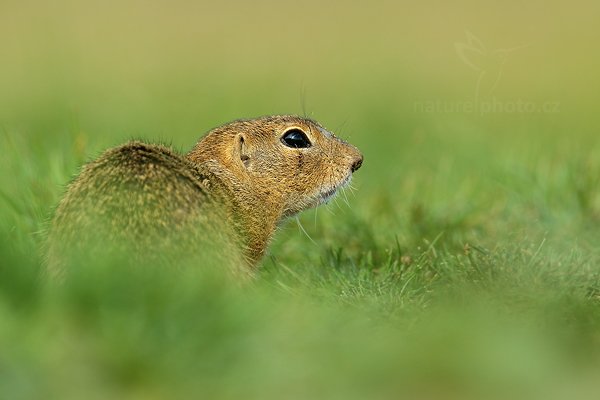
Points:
x=357 y=163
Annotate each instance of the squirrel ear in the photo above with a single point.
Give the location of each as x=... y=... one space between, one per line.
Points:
x=242 y=148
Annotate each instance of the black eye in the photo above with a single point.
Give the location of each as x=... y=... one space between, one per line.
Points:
x=295 y=138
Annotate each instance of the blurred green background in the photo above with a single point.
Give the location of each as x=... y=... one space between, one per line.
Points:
x=465 y=263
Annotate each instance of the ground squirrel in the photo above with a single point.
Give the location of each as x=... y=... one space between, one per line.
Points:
x=223 y=200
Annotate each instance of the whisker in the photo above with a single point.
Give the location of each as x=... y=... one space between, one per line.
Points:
x=304 y=230
x=303 y=100
x=353 y=189
x=345 y=197
x=330 y=209
x=335 y=199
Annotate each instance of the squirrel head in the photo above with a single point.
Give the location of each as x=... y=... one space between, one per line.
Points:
x=292 y=161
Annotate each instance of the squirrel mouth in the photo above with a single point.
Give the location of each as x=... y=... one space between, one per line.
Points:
x=326 y=195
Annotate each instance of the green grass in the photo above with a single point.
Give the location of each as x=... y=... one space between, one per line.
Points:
x=465 y=264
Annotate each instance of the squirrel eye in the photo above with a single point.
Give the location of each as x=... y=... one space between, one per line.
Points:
x=295 y=138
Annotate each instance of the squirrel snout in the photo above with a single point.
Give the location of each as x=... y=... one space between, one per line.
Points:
x=357 y=163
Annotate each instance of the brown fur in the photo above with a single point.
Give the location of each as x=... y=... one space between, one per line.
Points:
x=232 y=189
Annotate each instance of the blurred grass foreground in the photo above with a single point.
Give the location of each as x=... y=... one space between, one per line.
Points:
x=465 y=265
